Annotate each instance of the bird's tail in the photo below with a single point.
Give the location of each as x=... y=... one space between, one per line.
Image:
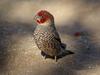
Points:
x=64 y=51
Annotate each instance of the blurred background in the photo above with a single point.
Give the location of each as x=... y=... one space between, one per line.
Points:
x=20 y=56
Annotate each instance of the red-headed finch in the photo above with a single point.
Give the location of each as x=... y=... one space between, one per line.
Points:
x=46 y=36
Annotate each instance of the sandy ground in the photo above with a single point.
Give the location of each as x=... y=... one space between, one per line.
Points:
x=20 y=56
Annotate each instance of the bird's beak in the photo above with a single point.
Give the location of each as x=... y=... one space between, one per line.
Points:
x=37 y=17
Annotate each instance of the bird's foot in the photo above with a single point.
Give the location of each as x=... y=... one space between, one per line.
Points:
x=55 y=58
x=43 y=54
x=45 y=57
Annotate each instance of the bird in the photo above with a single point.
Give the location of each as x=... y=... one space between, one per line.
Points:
x=46 y=36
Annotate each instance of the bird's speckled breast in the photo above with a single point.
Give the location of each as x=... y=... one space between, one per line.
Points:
x=46 y=42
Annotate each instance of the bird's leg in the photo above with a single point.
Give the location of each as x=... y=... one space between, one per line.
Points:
x=55 y=58
x=45 y=56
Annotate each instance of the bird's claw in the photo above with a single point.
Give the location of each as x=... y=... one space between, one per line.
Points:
x=55 y=58
x=45 y=57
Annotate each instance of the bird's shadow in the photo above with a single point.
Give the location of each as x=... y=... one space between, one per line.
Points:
x=63 y=54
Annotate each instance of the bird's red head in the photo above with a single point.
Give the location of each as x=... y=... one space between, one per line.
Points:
x=43 y=16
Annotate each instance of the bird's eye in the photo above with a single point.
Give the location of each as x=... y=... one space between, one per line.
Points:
x=42 y=17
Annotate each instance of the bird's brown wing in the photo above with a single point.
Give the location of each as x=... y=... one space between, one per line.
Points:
x=57 y=37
